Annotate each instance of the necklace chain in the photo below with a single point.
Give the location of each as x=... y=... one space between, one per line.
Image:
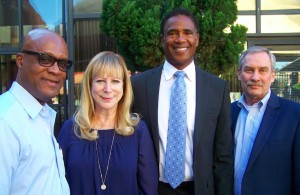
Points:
x=103 y=186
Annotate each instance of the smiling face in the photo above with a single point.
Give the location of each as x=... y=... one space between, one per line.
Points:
x=256 y=76
x=106 y=92
x=179 y=41
x=43 y=83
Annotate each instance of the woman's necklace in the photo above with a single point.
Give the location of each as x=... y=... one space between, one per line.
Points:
x=103 y=186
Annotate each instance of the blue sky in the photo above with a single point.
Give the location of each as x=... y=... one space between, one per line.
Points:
x=49 y=10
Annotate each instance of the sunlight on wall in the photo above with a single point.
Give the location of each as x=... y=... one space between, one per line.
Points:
x=280 y=23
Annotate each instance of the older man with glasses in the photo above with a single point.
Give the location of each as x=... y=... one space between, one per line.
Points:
x=31 y=161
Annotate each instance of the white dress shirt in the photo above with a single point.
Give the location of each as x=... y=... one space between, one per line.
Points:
x=166 y=82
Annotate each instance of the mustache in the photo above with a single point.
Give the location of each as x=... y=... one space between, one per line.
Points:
x=252 y=83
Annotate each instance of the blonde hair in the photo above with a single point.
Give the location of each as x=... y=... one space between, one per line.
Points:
x=109 y=64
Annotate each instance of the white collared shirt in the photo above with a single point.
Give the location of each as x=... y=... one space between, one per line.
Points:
x=30 y=159
x=166 y=82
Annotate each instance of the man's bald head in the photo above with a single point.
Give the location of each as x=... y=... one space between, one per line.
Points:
x=40 y=35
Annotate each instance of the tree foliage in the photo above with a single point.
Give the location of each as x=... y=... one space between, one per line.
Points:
x=135 y=25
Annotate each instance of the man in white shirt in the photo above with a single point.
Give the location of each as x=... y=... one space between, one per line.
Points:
x=31 y=161
x=208 y=151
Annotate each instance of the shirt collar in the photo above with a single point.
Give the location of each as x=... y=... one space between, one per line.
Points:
x=29 y=103
x=262 y=103
x=169 y=71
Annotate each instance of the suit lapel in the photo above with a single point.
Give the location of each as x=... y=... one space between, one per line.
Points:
x=235 y=111
x=153 y=83
x=265 y=129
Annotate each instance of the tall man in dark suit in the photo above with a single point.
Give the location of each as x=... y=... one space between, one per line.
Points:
x=266 y=131
x=208 y=160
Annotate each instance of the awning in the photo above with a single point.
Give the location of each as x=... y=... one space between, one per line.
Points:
x=292 y=67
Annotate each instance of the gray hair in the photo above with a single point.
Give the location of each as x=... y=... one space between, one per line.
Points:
x=257 y=49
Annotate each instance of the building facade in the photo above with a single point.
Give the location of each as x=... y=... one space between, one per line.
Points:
x=274 y=24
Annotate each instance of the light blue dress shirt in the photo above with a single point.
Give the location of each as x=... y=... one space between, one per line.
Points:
x=247 y=126
x=31 y=162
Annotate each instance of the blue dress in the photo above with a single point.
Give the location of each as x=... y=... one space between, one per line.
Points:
x=132 y=167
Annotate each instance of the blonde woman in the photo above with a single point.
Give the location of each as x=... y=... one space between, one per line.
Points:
x=107 y=149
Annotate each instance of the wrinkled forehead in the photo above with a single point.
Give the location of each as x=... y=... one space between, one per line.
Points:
x=257 y=60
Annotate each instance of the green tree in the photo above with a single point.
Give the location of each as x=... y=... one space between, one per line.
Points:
x=135 y=25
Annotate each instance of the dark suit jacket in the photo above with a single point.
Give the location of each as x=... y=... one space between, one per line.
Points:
x=274 y=163
x=213 y=142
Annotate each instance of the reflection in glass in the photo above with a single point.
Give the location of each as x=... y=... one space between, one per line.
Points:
x=280 y=23
x=42 y=14
x=248 y=21
x=9 y=36
x=246 y=4
x=87 y=6
x=279 y=4
x=8 y=71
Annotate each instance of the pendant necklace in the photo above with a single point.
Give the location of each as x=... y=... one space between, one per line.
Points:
x=103 y=186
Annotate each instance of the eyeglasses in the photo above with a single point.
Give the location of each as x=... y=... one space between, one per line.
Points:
x=47 y=61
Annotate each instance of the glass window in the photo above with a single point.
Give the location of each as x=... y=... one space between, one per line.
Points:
x=279 y=4
x=87 y=6
x=8 y=71
x=246 y=5
x=248 y=21
x=280 y=23
x=42 y=14
x=9 y=30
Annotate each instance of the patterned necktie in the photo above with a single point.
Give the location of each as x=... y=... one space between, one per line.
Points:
x=175 y=154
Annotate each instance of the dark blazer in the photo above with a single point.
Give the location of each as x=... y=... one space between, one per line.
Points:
x=274 y=163
x=213 y=143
